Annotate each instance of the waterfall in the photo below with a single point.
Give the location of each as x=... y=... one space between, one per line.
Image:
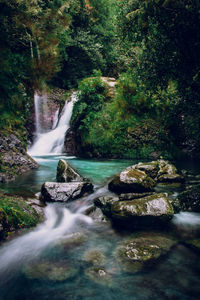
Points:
x=52 y=142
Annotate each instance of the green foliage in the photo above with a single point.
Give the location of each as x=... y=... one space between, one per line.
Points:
x=16 y=213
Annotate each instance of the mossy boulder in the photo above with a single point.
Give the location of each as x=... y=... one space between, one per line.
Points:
x=50 y=271
x=135 y=253
x=168 y=173
x=131 y=180
x=189 y=200
x=147 y=211
x=16 y=213
x=65 y=173
x=63 y=192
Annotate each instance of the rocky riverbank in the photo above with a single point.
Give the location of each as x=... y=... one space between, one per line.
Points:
x=14 y=160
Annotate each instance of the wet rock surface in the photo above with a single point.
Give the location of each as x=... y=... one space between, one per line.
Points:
x=63 y=192
x=14 y=160
x=135 y=253
x=151 y=209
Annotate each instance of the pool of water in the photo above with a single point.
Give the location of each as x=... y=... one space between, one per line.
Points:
x=60 y=259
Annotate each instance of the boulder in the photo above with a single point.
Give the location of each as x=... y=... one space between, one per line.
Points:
x=131 y=180
x=105 y=203
x=65 y=173
x=137 y=252
x=189 y=200
x=143 y=212
x=150 y=168
x=63 y=192
x=168 y=173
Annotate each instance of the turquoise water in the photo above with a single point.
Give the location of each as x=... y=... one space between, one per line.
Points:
x=62 y=270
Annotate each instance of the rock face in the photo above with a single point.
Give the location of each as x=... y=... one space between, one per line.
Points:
x=65 y=173
x=131 y=180
x=151 y=209
x=63 y=192
x=137 y=252
x=189 y=200
x=13 y=158
x=70 y=142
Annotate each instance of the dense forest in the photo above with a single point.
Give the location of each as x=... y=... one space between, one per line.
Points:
x=152 y=49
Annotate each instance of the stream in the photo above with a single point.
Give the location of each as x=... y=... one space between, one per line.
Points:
x=59 y=258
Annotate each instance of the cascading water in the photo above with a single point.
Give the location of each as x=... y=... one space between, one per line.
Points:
x=58 y=223
x=52 y=142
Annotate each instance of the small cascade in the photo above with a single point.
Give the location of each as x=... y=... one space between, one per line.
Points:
x=58 y=224
x=52 y=142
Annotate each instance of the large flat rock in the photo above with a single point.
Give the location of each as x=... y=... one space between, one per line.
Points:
x=63 y=192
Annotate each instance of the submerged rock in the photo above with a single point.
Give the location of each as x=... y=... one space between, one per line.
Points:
x=63 y=192
x=51 y=271
x=99 y=275
x=73 y=240
x=131 y=180
x=65 y=173
x=189 y=200
x=136 y=253
x=143 y=212
x=95 y=257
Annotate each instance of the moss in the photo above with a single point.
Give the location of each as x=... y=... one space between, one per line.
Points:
x=135 y=173
x=16 y=213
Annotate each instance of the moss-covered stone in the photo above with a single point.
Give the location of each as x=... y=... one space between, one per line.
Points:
x=137 y=252
x=16 y=213
x=131 y=180
x=143 y=212
x=168 y=173
x=150 y=168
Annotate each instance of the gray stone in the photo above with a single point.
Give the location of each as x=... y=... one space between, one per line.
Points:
x=65 y=173
x=63 y=192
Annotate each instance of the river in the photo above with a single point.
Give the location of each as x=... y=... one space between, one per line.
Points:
x=61 y=258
